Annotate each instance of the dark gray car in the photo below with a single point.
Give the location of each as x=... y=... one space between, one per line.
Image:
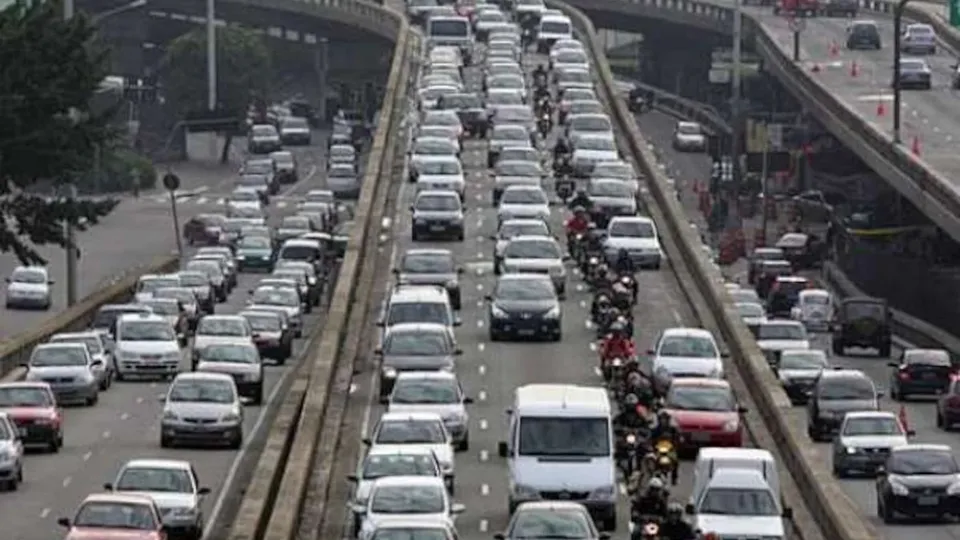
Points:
x=431 y=267
x=834 y=395
x=415 y=347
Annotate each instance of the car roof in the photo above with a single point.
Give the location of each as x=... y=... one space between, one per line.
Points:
x=631 y=219
x=869 y=414
x=532 y=238
x=203 y=376
x=551 y=506
x=123 y=498
x=231 y=317
x=421 y=293
x=700 y=381
x=426 y=375
x=687 y=332
x=410 y=416
x=792 y=279
x=83 y=334
x=140 y=317
x=428 y=251
x=845 y=373
x=403 y=328
x=158 y=464
x=923 y=446
x=26 y=384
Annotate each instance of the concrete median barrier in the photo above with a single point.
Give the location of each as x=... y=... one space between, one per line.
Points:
x=829 y=509
x=14 y=352
x=273 y=500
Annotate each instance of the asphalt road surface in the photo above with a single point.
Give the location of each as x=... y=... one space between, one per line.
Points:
x=658 y=129
x=140 y=229
x=862 y=81
x=490 y=371
x=124 y=425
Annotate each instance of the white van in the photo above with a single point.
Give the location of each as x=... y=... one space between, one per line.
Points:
x=553 y=28
x=449 y=30
x=560 y=447
x=710 y=460
x=738 y=503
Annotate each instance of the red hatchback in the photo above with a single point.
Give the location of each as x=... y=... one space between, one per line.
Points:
x=33 y=409
x=706 y=412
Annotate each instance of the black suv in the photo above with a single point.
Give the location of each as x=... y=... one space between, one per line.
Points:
x=834 y=395
x=863 y=35
x=920 y=372
x=862 y=322
x=918 y=481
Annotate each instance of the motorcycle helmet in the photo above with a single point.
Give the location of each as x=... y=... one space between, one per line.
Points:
x=625 y=280
x=664 y=462
x=630 y=400
x=634 y=379
x=663 y=417
x=620 y=288
x=674 y=510
x=655 y=483
x=603 y=299
x=616 y=327
x=578 y=210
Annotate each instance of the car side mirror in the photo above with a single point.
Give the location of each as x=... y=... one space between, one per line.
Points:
x=367 y=441
x=203 y=491
x=51 y=282
x=460 y=270
x=651 y=352
x=457 y=508
x=411 y=208
x=96 y=363
x=880 y=394
x=689 y=509
x=64 y=522
x=384 y=400
x=162 y=398
x=457 y=321
x=742 y=410
x=458 y=352
x=467 y=400
x=396 y=271
x=108 y=487
x=381 y=324
x=492 y=237
x=7 y=280
x=499 y=536
x=893 y=364
x=378 y=351
x=502 y=449
x=352 y=478
x=788 y=513
x=911 y=433
x=881 y=471
x=488 y=297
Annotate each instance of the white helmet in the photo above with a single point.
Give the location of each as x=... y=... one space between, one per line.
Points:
x=655 y=483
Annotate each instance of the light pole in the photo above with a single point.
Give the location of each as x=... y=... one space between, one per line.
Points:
x=70 y=194
x=897 y=22
x=323 y=66
x=737 y=142
x=211 y=55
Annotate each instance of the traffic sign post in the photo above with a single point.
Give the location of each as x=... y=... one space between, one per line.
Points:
x=798 y=25
x=172 y=183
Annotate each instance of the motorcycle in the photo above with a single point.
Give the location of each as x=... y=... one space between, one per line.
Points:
x=666 y=456
x=629 y=447
x=574 y=243
x=630 y=283
x=544 y=125
x=562 y=113
x=564 y=187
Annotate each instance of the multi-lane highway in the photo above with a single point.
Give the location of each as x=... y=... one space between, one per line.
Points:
x=658 y=129
x=124 y=425
x=862 y=80
x=140 y=229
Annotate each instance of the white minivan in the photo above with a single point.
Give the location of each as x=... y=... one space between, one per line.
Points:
x=560 y=447
x=553 y=28
x=739 y=503
x=450 y=30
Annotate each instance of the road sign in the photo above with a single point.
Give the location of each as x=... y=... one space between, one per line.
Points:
x=954 y=7
x=775 y=136
x=171 y=181
x=799 y=25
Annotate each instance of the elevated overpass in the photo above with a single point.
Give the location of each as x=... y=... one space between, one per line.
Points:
x=844 y=103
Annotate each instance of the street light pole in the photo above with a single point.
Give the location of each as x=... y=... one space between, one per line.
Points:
x=897 y=22
x=323 y=66
x=211 y=56
x=67 y=9
x=737 y=142
x=71 y=196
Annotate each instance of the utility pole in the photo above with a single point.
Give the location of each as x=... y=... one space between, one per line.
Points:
x=211 y=55
x=737 y=142
x=71 y=196
x=897 y=88
x=323 y=68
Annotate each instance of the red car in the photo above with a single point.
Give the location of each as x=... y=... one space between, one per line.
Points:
x=204 y=229
x=33 y=409
x=706 y=412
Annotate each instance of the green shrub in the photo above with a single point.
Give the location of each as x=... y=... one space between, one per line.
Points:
x=117 y=172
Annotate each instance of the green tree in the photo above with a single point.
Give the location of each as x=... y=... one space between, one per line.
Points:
x=51 y=70
x=243 y=69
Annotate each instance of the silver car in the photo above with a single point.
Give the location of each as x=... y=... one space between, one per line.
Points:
x=523 y=202
x=689 y=137
x=174 y=487
x=239 y=360
x=69 y=370
x=11 y=454
x=512 y=228
x=434 y=392
x=288 y=300
x=536 y=254
x=865 y=440
x=202 y=408
x=29 y=286
x=387 y=462
x=97 y=348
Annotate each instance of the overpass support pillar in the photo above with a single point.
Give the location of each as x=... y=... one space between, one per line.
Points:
x=321 y=55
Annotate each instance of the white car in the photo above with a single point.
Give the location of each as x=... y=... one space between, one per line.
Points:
x=597 y=124
x=222 y=329
x=443 y=173
x=29 y=287
x=686 y=352
x=414 y=528
x=428 y=96
x=149 y=283
x=566 y=44
x=294 y=131
x=241 y=361
x=202 y=407
x=864 y=441
x=380 y=463
x=432 y=147
x=521 y=201
x=568 y=79
x=145 y=345
x=751 y=313
x=416 y=430
x=536 y=254
x=814 y=309
x=102 y=359
x=282 y=298
x=516 y=227
x=776 y=336
x=69 y=370
x=689 y=137
x=419 y=498
x=798 y=371
x=590 y=149
x=638 y=236
x=434 y=392
x=508 y=83
x=173 y=486
x=11 y=446
x=444 y=117
x=570 y=59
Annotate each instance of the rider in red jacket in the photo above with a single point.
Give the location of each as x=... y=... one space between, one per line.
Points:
x=579 y=223
x=617 y=344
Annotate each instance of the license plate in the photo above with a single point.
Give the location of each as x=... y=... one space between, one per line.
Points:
x=928 y=501
x=437 y=228
x=700 y=437
x=525 y=332
x=23 y=431
x=929 y=375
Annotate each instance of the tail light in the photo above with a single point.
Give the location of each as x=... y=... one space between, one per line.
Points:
x=904 y=375
x=953 y=402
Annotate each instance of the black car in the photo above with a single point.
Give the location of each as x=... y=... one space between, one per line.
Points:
x=798 y=371
x=802 y=250
x=767 y=274
x=271 y=334
x=524 y=305
x=415 y=347
x=472 y=113
x=917 y=481
x=863 y=35
x=758 y=256
x=834 y=394
x=784 y=293
x=431 y=267
x=341 y=235
x=920 y=372
x=862 y=322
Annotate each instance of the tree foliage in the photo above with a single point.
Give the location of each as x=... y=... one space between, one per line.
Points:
x=51 y=70
x=243 y=69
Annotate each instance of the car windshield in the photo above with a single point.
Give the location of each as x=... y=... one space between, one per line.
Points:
x=202 y=391
x=146 y=331
x=211 y=220
x=28 y=275
x=689 y=129
x=417 y=312
x=505 y=98
x=292 y=122
x=417 y=344
x=632 y=229
x=611 y=189
x=781 y=331
x=524 y=196
x=595 y=143
x=263 y=131
x=444 y=168
x=254 y=180
x=815 y=299
x=533 y=249
x=746 y=296
x=812 y=359
x=92 y=343
x=379 y=466
x=571 y=56
x=426 y=391
x=341 y=172
x=519 y=168
x=525 y=289
x=254 y=242
x=245 y=196
x=162 y=479
x=215 y=326
x=295 y=222
x=149 y=285
x=273 y=296
x=442 y=203
x=411 y=533
x=750 y=310
x=864 y=310
x=738 y=502
x=876 y=425
x=428 y=263
x=342 y=150
x=58 y=357
x=116 y=515
x=687 y=347
x=441 y=118
x=263 y=322
x=408 y=500
x=922 y=461
x=462 y=101
x=846 y=388
x=191 y=279
x=548 y=27
x=553 y=524
x=25 y=396
x=107 y=317
x=700 y=398
x=410 y=432
x=510 y=229
x=180 y=294
x=234 y=354
x=590 y=123
x=560 y=436
x=586 y=107
x=579 y=76
x=513 y=114
x=437 y=147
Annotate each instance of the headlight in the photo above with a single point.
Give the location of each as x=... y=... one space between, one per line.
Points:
x=716 y=373
x=852 y=450
x=553 y=313
x=420 y=221
x=452 y=284
x=455 y=418
x=520 y=490
x=311 y=281
x=252 y=377
x=231 y=418
x=172 y=356
x=953 y=489
x=389 y=372
x=5 y=455
x=606 y=492
x=89 y=377
x=498 y=313
x=899 y=489
x=731 y=425
x=183 y=512
x=557 y=270
x=170 y=415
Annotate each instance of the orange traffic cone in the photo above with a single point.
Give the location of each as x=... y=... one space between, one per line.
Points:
x=834 y=48
x=915 y=146
x=881 y=108
x=854 y=69
x=902 y=416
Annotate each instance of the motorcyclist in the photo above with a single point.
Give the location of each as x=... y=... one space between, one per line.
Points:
x=579 y=223
x=540 y=76
x=675 y=527
x=650 y=531
x=541 y=93
x=666 y=429
x=628 y=417
x=582 y=200
x=653 y=501
x=562 y=148
x=617 y=344
x=624 y=264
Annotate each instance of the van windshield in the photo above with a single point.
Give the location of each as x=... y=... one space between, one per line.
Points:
x=448 y=28
x=552 y=436
x=299 y=253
